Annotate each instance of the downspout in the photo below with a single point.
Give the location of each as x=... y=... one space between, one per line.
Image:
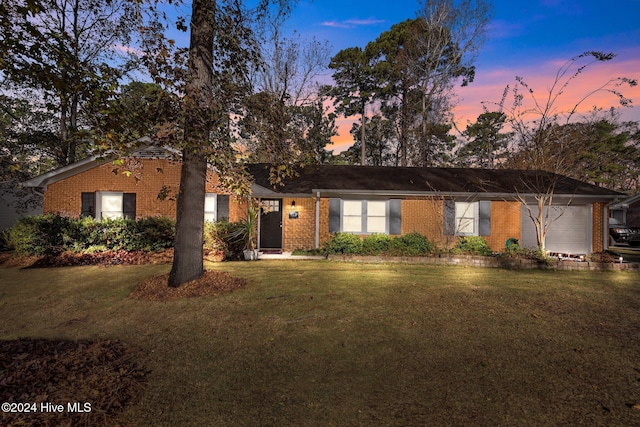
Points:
x=605 y=227
x=317 y=220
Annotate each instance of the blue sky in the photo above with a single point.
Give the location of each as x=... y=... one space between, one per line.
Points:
x=528 y=38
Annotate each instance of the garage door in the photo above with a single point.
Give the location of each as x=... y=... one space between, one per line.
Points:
x=570 y=233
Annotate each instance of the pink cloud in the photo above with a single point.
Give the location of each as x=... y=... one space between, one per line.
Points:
x=489 y=85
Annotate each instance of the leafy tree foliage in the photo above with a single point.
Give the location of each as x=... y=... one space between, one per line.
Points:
x=486 y=145
x=603 y=152
x=410 y=71
x=448 y=38
x=354 y=87
x=69 y=51
x=379 y=139
x=283 y=121
x=138 y=109
x=546 y=136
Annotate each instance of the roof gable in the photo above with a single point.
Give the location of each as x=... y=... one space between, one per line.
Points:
x=149 y=151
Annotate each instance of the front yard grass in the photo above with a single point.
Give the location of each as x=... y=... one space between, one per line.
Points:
x=319 y=343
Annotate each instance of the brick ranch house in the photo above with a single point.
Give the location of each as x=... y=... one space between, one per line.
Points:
x=440 y=203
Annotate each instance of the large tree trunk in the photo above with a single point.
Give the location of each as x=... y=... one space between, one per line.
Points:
x=188 y=254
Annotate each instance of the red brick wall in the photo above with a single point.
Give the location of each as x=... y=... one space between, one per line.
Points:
x=148 y=177
x=426 y=216
x=505 y=224
x=598 y=227
x=299 y=233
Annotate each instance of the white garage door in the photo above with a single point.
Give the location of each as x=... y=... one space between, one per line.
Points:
x=570 y=233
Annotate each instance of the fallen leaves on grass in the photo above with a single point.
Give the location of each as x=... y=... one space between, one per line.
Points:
x=156 y=288
x=120 y=257
x=102 y=374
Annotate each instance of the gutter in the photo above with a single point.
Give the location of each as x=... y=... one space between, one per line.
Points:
x=468 y=195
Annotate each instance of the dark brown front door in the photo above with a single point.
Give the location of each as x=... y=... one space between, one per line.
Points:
x=271 y=224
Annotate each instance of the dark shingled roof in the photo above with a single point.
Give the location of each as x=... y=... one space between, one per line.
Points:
x=425 y=180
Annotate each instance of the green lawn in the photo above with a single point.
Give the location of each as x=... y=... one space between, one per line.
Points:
x=320 y=343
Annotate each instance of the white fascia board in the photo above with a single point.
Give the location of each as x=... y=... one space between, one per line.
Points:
x=42 y=181
x=64 y=172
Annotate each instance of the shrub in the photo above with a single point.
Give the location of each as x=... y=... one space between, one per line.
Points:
x=376 y=244
x=226 y=238
x=39 y=235
x=412 y=244
x=343 y=243
x=155 y=233
x=476 y=245
x=51 y=234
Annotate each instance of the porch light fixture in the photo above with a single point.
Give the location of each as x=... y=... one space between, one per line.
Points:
x=293 y=212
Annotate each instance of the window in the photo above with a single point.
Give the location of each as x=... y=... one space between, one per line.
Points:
x=365 y=216
x=210 y=206
x=376 y=217
x=216 y=207
x=88 y=205
x=467 y=218
x=352 y=216
x=112 y=205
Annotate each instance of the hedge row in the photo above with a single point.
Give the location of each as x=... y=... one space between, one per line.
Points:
x=52 y=234
x=412 y=244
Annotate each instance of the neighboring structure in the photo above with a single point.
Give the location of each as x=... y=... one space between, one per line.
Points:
x=440 y=203
x=17 y=203
x=627 y=211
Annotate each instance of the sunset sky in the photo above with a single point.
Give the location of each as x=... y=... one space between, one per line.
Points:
x=531 y=39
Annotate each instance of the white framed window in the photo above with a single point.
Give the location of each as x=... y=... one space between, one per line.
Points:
x=364 y=216
x=210 y=207
x=352 y=216
x=376 y=216
x=114 y=205
x=467 y=218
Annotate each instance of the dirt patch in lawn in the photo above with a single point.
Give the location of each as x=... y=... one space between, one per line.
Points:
x=93 y=381
x=156 y=288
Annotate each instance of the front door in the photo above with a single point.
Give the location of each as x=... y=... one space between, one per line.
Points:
x=271 y=224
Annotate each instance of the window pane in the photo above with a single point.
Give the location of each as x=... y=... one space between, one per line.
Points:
x=466 y=218
x=377 y=217
x=352 y=208
x=464 y=209
x=376 y=209
x=465 y=226
x=352 y=224
x=210 y=202
x=112 y=202
x=210 y=206
x=111 y=205
x=352 y=216
x=376 y=225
